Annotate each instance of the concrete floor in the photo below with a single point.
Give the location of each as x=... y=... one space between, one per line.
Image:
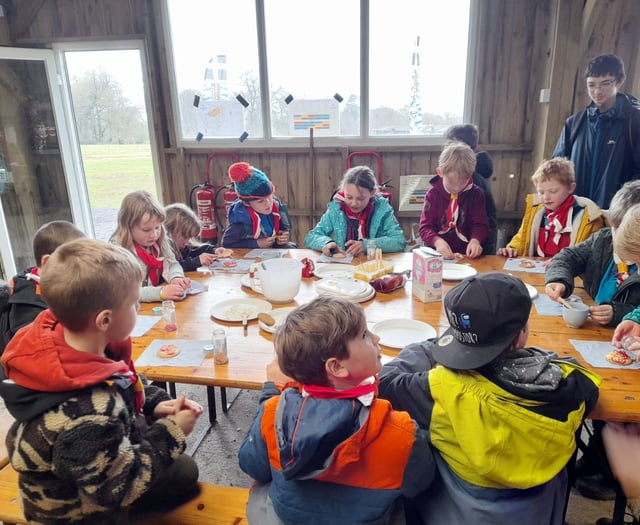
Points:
x=217 y=455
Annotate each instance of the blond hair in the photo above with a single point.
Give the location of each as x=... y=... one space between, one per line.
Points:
x=459 y=158
x=315 y=332
x=558 y=169
x=136 y=207
x=51 y=235
x=626 y=241
x=181 y=220
x=85 y=276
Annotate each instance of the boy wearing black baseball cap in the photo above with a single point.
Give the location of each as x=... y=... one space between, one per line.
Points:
x=502 y=417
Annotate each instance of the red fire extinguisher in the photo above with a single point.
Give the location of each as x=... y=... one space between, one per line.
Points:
x=206 y=208
x=383 y=187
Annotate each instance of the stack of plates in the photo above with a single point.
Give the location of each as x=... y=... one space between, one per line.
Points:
x=352 y=289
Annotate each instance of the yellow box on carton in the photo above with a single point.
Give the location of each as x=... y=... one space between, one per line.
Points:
x=370 y=270
x=426 y=282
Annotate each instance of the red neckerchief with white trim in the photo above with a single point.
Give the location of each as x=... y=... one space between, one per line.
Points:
x=256 y=225
x=453 y=211
x=556 y=233
x=362 y=217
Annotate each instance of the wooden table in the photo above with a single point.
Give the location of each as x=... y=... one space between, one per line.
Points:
x=251 y=351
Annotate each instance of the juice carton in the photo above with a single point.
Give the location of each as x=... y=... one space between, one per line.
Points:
x=427 y=275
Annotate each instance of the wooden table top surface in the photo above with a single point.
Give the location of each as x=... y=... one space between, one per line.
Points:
x=250 y=351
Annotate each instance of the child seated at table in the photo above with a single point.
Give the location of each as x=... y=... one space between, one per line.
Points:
x=554 y=217
x=140 y=230
x=257 y=219
x=454 y=217
x=325 y=449
x=25 y=302
x=468 y=133
x=614 y=284
x=183 y=226
x=501 y=416
x=356 y=213
x=91 y=442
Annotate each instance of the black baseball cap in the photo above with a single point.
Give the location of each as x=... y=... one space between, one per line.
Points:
x=485 y=314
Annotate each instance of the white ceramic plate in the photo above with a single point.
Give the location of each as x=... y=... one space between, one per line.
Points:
x=533 y=293
x=234 y=310
x=398 y=333
x=278 y=315
x=349 y=288
x=328 y=271
x=457 y=272
x=245 y=280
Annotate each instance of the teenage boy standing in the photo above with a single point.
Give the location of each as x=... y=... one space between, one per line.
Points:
x=603 y=140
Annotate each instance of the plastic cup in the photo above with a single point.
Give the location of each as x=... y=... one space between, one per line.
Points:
x=219 y=342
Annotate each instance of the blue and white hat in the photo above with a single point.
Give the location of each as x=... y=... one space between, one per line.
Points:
x=249 y=182
x=485 y=314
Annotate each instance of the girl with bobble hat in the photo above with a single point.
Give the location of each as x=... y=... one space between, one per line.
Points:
x=257 y=219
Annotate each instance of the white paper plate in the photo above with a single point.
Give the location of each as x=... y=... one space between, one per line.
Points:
x=279 y=315
x=398 y=333
x=245 y=280
x=457 y=272
x=328 y=271
x=349 y=288
x=533 y=293
x=233 y=310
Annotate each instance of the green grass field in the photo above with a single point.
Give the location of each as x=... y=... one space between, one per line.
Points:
x=113 y=170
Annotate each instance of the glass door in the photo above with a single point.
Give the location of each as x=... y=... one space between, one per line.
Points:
x=41 y=176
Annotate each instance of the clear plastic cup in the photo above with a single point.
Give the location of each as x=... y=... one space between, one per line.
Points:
x=219 y=342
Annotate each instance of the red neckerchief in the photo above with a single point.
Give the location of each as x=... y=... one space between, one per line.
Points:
x=153 y=261
x=623 y=272
x=362 y=217
x=556 y=234
x=326 y=392
x=256 y=225
x=138 y=387
x=453 y=210
x=34 y=275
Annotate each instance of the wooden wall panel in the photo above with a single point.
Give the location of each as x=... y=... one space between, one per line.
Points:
x=521 y=47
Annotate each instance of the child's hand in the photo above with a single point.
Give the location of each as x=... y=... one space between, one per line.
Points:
x=555 y=290
x=508 y=252
x=207 y=258
x=266 y=242
x=173 y=292
x=167 y=408
x=184 y=417
x=625 y=329
x=443 y=248
x=327 y=248
x=622 y=444
x=474 y=249
x=601 y=314
x=183 y=282
x=275 y=374
x=282 y=237
x=355 y=248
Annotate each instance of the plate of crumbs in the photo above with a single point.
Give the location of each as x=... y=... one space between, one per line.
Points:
x=237 y=310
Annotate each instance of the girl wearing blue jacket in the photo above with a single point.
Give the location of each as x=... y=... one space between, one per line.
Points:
x=356 y=214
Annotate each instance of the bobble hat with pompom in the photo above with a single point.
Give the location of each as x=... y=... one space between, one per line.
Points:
x=249 y=182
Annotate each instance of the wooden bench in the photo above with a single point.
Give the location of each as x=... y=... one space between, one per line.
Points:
x=216 y=505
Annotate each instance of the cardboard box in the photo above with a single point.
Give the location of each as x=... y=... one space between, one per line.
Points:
x=426 y=282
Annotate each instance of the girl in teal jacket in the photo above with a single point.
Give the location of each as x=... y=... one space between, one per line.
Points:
x=355 y=214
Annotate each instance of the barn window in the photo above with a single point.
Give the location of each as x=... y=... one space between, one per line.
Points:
x=266 y=72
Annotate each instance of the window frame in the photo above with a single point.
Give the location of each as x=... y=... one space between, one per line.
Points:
x=364 y=140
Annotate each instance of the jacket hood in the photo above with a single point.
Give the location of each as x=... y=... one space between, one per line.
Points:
x=484 y=164
x=38 y=358
x=306 y=449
